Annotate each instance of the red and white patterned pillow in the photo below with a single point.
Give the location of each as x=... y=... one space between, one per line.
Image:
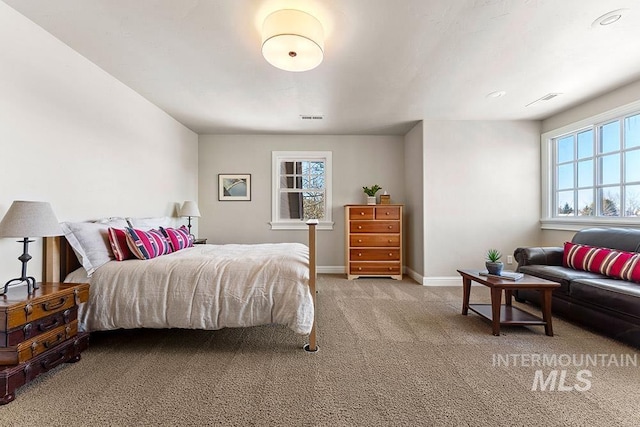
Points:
x=118 y=241
x=612 y=263
x=179 y=238
x=147 y=244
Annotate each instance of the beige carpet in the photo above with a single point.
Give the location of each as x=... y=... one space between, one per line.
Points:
x=391 y=353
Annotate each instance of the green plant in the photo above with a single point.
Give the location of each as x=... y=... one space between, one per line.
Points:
x=372 y=191
x=493 y=255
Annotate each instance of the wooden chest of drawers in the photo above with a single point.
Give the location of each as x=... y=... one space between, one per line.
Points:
x=373 y=241
x=38 y=332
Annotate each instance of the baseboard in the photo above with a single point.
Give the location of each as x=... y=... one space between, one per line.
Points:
x=330 y=269
x=433 y=281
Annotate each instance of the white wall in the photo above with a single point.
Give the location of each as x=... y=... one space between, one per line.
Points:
x=482 y=190
x=72 y=135
x=414 y=189
x=357 y=161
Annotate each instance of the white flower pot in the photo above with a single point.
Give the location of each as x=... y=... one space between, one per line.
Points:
x=371 y=200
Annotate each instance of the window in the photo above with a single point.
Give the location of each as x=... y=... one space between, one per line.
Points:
x=301 y=189
x=594 y=172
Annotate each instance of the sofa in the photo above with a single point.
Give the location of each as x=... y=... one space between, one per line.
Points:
x=607 y=303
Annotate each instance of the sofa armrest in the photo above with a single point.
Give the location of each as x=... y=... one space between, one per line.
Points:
x=538 y=256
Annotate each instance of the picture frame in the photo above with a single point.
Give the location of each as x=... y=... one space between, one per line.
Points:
x=234 y=187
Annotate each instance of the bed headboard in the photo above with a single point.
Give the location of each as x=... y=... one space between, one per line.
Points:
x=59 y=259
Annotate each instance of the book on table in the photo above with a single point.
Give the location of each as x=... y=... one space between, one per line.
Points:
x=507 y=275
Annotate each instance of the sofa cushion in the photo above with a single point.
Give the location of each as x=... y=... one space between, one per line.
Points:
x=562 y=275
x=622 y=239
x=612 y=294
x=612 y=263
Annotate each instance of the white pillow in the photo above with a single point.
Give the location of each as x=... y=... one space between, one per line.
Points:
x=90 y=242
x=147 y=224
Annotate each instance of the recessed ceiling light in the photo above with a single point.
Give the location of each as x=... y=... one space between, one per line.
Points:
x=608 y=18
x=497 y=94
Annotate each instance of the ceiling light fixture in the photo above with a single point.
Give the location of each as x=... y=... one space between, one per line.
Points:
x=292 y=40
x=497 y=94
x=608 y=18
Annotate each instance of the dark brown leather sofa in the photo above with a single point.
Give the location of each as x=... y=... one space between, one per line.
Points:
x=606 y=305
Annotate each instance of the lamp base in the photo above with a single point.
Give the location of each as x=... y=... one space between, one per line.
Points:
x=31 y=284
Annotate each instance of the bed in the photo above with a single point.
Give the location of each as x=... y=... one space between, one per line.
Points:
x=200 y=287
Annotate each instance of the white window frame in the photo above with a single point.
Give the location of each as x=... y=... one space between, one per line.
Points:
x=575 y=223
x=299 y=224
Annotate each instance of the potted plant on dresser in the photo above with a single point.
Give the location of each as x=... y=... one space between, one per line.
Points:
x=371 y=193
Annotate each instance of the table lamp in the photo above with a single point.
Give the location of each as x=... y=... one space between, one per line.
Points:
x=190 y=209
x=32 y=219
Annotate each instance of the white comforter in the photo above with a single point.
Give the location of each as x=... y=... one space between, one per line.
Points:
x=204 y=287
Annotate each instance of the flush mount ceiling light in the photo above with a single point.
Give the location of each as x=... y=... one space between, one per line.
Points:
x=497 y=94
x=292 y=40
x=608 y=18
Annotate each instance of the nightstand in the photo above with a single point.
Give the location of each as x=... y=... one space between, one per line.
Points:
x=38 y=332
x=200 y=241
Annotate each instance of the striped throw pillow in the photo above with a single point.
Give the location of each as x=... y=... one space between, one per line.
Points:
x=147 y=244
x=179 y=238
x=609 y=262
x=118 y=241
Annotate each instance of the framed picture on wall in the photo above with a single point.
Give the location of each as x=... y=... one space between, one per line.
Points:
x=234 y=187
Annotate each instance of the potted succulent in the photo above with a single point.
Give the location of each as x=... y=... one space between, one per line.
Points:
x=493 y=263
x=371 y=193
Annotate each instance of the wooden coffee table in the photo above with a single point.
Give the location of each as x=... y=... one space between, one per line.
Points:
x=506 y=314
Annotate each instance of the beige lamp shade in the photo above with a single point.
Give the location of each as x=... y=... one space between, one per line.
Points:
x=292 y=40
x=189 y=208
x=30 y=219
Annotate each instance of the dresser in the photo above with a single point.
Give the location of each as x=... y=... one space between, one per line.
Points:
x=38 y=332
x=373 y=241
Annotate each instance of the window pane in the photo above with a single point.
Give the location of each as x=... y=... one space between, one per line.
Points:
x=586 y=205
x=585 y=144
x=632 y=166
x=313 y=205
x=610 y=169
x=291 y=205
x=610 y=137
x=632 y=200
x=565 y=149
x=609 y=201
x=290 y=168
x=313 y=182
x=632 y=131
x=565 y=203
x=585 y=173
x=313 y=168
x=565 y=176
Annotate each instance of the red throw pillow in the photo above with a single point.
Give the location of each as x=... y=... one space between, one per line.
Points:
x=179 y=238
x=147 y=244
x=118 y=241
x=609 y=262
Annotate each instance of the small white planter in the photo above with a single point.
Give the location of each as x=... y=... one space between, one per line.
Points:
x=371 y=200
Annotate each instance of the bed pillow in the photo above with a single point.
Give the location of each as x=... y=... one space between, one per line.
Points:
x=90 y=242
x=147 y=244
x=151 y=222
x=118 y=241
x=609 y=262
x=179 y=238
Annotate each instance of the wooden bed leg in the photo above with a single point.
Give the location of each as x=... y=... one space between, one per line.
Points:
x=312 y=347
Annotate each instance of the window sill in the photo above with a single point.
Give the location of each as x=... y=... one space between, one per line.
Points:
x=577 y=224
x=300 y=225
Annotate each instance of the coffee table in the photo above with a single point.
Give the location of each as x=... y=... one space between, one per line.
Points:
x=506 y=314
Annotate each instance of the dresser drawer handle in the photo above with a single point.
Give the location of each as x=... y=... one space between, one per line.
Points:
x=359 y=253
x=359 y=227
x=361 y=213
x=28 y=309
x=359 y=268
x=26 y=330
x=359 y=240
x=390 y=254
x=48 y=364
x=49 y=305
x=55 y=322
x=76 y=296
x=390 y=241
x=386 y=213
x=390 y=227
x=390 y=268
x=52 y=343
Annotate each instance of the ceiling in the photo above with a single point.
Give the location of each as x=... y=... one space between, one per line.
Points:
x=387 y=63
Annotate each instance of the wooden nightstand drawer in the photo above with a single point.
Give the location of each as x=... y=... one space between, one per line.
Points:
x=38 y=345
x=392 y=212
x=374 y=227
x=375 y=268
x=17 y=308
x=361 y=213
x=37 y=327
x=374 y=254
x=358 y=240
